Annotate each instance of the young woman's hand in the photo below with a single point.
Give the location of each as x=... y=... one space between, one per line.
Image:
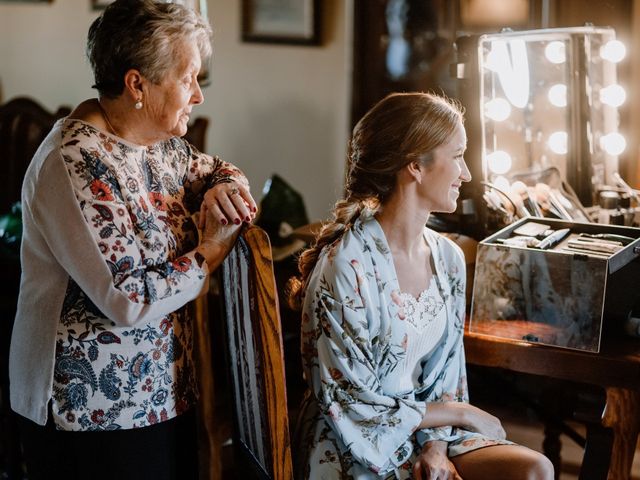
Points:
x=433 y=464
x=463 y=415
x=483 y=422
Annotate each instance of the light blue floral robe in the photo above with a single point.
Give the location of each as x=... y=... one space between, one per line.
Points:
x=354 y=342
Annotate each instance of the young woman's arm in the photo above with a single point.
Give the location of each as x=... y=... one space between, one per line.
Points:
x=464 y=415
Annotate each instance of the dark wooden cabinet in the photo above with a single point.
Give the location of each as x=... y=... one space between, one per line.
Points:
x=410 y=45
x=402 y=45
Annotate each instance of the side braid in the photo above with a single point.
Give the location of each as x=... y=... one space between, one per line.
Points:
x=345 y=213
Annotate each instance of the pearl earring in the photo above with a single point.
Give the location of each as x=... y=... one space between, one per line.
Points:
x=138 y=105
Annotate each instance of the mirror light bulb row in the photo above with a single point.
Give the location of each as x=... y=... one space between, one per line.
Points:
x=499 y=109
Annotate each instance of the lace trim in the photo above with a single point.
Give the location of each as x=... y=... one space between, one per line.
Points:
x=423 y=310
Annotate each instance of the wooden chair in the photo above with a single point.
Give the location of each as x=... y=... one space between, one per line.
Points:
x=255 y=360
x=197 y=133
x=23 y=125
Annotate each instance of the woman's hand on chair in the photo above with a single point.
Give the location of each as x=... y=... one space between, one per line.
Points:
x=228 y=203
x=217 y=239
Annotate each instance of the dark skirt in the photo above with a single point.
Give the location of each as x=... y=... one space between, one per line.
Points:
x=167 y=450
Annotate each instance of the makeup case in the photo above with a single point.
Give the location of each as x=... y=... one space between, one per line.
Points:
x=567 y=295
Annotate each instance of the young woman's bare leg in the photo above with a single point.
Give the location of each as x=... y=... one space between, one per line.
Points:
x=508 y=462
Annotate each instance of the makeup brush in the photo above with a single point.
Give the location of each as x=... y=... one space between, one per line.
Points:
x=553 y=238
x=516 y=199
x=519 y=188
x=541 y=194
x=546 y=197
x=508 y=205
x=621 y=183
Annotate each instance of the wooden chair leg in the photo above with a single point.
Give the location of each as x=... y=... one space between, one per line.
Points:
x=622 y=416
x=210 y=465
x=551 y=446
x=597 y=453
x=590 y=409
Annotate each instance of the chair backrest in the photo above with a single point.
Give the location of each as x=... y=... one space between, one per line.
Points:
x=23 y=125
x=255 y=358
x=197 y=133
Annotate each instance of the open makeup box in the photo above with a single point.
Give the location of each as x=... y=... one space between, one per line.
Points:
x=564 y=294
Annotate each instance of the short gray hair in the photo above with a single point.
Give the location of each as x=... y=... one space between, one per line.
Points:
x=141 y=34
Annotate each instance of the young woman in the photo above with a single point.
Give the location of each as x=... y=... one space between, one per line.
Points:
x=383 y=315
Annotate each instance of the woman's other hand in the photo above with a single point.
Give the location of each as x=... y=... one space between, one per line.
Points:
x=433 y=464
x=228 y=203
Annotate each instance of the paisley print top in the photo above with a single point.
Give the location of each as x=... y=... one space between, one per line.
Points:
x=122 y=330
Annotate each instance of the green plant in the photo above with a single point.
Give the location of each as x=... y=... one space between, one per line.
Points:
x=11 y=232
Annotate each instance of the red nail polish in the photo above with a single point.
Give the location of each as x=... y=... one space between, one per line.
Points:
x=237 y=221
x=247 y=218
x=223 y=221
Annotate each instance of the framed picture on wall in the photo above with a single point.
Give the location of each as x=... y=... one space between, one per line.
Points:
x=100 y=4
x=295 y=22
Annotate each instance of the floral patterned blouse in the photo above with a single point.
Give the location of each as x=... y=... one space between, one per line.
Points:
x=116 y=221
x=360 y=421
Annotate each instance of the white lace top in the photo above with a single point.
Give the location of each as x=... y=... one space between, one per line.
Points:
x=427 y=315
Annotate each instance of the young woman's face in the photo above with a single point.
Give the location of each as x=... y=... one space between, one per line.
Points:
x=441 y=180
x=169 y=103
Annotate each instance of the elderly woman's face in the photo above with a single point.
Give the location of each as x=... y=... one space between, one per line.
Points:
x=169 y=104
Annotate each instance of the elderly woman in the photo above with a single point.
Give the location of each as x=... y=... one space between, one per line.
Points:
x=101 y=356
x=383 y=315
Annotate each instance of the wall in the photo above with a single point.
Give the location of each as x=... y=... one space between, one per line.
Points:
x=42 y=51
x=273 y=109
x=283 y=109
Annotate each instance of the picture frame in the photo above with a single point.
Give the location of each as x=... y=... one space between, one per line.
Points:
x=100 y=4
x=293 y=22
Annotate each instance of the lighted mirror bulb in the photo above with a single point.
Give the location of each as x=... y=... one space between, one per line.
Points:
x=558 y=95
x=613 y=143
x=558 y=142
x=499 y=162
x=613 y=50
x=555 y=52
x=613 y=95
x=497 y=109
x=502 y=183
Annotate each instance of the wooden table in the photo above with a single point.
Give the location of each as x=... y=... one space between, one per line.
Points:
x=616 y=369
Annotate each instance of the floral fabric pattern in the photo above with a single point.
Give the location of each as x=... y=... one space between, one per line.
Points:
x=137 y=203
x=358 y=423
